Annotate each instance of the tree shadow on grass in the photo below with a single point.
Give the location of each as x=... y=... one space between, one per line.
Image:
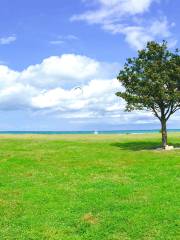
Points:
x=138 y=146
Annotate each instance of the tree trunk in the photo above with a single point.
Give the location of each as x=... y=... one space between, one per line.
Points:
x=164 y=133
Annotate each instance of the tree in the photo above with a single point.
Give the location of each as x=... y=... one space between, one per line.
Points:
x=151 y=82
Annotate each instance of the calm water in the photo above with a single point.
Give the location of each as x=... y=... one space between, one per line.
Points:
x=88 y=132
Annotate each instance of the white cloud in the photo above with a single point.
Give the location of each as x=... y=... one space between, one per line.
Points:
x=66 y=70
x=63 y=39
x=137 y=36
x=111 y=11
x=51 y=88
x=51 y=84
x=7 y=40
x=17 y=96
x=57 y=42
x=71 y=37
x=94 y=95
x=7 y=76
x=128 y=17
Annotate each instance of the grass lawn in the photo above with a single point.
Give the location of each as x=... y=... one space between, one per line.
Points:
x=96 y=187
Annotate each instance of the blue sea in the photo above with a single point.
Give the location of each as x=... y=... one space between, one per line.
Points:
x=89 y=132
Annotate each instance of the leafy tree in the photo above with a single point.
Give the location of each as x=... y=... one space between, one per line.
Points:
x=151 y=82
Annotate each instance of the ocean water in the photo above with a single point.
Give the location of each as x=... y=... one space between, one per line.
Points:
x=89 y=132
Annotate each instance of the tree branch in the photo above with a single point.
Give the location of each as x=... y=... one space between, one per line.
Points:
x=156 y=113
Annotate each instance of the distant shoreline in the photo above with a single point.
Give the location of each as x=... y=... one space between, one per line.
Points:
x=88 y=132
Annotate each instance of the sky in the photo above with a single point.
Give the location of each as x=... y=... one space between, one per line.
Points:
x=59 y=60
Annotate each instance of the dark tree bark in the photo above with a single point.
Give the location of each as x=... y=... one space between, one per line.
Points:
x=164 y=132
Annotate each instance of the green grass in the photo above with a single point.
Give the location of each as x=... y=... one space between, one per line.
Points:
x=114 y=187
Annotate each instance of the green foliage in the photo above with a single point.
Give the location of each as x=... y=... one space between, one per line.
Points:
x=152 y=81
x=111 y=187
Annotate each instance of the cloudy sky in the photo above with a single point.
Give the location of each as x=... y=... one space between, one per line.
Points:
x=59 y=60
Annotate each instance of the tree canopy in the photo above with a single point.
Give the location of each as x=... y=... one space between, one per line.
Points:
x=151 y=81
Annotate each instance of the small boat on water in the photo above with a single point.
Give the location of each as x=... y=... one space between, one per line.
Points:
x=96 y=132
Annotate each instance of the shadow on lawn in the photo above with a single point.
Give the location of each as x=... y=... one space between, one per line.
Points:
x=137 y=146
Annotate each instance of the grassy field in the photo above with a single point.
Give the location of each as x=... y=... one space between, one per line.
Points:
x=102 y=187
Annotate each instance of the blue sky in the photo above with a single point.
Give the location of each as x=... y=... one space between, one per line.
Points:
x=47 y=48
